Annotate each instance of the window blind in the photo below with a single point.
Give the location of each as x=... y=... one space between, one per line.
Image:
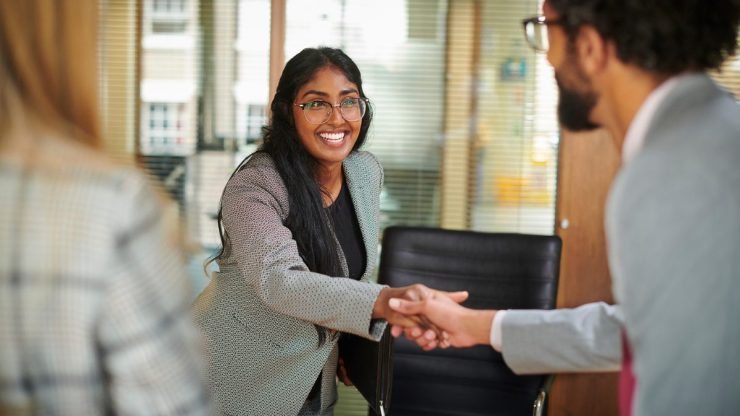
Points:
x=399 y=47
x=513 y=161
x=118 y=66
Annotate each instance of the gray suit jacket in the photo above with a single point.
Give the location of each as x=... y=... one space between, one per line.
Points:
x=673 y=226
x=673 y=229
x=258 y=313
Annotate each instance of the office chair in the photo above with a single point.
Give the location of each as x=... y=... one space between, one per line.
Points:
x=500 y=271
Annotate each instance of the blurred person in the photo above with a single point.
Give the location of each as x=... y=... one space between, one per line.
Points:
x=299 y=232
x=93 y=293
x=673 y=216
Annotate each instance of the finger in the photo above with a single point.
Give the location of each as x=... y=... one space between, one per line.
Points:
x=405 y=307
x=344 y=379
x=414 y=292
x=430 y=345
x=416 y=335
x=422 y=343
x=342 y=373
x=422 y=292
x=431 y=335
x=458 y=297
x=396 y=331
x=427 y=324
x=413 y=332
x=402 y=320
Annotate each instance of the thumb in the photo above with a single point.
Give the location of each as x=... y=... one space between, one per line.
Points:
x=404 y=306
x=458 y=297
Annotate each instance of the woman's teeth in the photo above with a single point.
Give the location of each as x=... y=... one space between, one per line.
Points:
x=334 y=137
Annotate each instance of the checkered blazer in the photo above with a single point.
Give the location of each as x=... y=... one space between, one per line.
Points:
x=93 y=298
x=259 y=311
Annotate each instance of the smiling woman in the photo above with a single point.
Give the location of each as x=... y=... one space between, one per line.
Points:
x=299 y=228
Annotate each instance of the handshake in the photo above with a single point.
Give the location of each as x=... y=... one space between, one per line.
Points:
x=433 y=318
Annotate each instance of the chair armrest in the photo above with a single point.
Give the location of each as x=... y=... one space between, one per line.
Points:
x=538 y=408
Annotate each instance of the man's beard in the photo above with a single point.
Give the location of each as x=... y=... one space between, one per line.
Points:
x=574 y=107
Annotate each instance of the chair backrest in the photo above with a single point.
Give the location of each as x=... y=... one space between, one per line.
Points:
x=500 y=271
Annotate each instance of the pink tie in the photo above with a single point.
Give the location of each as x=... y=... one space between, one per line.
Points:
x=626 y=380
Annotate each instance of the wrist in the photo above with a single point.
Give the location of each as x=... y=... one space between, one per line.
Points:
x=481 y=322
x=380 y=305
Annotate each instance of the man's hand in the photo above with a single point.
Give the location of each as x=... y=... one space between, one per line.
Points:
x=464 y=327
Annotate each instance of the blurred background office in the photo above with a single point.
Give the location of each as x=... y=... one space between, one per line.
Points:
x=465 y=125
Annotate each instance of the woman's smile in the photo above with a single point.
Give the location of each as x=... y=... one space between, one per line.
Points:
x=334 y=137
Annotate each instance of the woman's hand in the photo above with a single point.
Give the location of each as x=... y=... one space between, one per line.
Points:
x=342 y=373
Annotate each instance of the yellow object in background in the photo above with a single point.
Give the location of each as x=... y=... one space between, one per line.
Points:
x=518 y=190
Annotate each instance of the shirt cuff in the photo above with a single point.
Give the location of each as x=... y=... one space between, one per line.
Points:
x=496 y=341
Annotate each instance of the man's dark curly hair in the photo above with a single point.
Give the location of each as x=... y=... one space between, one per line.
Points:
x=664 y=36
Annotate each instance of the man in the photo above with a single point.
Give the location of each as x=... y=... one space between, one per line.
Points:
x=637 y=68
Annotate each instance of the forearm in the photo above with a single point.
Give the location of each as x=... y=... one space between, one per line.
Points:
x=563 y=340
x=333 y=302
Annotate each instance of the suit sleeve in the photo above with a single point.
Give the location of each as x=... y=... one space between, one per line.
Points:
x=587 y=338
x=268 y=259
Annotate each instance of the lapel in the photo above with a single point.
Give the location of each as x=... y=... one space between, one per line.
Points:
x=364 y=202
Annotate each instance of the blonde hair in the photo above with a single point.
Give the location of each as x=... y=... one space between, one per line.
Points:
x=48 y=67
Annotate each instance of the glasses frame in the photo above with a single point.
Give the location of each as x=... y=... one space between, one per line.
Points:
x=333 y=106
x=535 y=22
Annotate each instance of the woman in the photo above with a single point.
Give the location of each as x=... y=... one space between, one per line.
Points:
x=92 y=294
x=296 y=217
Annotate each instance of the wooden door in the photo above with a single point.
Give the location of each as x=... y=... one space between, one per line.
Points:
x=587 y=165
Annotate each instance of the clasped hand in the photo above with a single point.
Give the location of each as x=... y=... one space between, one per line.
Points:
x=415 y=326
x=440 y=320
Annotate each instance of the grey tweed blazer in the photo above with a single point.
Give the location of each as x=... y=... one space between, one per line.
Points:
x=258 y=312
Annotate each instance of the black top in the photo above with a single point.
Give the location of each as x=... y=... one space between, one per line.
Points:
x=347 y=229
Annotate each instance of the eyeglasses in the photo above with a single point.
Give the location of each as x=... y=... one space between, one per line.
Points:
x=535 y=31
x=320 y=111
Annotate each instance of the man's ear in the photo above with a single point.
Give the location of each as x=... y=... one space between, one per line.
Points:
x=592 y=50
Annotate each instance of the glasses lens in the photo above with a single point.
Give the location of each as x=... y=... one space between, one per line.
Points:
x=317 y=112
x=352 y=109
x=535 y=32
x=540 y=37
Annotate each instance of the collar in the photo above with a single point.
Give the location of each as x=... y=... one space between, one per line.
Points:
x=638 y=129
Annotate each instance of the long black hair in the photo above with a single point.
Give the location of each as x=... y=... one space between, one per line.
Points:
x=307 y=218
